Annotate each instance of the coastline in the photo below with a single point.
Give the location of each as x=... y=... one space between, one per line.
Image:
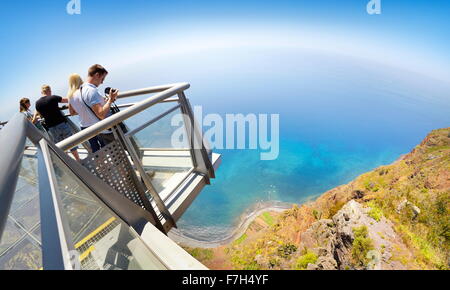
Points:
x=355 y=205
x=244 y=222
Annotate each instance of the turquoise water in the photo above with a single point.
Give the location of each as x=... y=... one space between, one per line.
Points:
x=339 y=118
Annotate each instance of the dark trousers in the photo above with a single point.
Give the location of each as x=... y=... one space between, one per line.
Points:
x=100 y=141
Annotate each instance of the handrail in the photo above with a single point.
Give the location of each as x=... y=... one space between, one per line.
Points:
x=152 y=121
x=122 y=106
x=14 y=134
x=165 y=92
x=149 y=90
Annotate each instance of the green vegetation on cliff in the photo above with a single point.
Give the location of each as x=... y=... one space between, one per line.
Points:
x=411 y=196
x=362 y=244
x=304 y=260
x=414 y=193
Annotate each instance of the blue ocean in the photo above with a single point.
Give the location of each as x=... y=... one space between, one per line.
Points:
x=339 y=117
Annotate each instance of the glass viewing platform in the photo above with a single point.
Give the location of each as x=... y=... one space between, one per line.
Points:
x=112 y=210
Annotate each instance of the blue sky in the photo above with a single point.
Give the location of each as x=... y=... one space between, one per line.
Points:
x=41 y=43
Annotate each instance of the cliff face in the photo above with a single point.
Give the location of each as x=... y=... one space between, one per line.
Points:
x=352 y=240
x=394 y=217
x=404 y=207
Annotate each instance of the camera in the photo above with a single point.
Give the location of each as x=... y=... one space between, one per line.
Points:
x=109 y=90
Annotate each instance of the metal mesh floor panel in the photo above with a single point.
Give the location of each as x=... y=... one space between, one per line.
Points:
x=111 y=164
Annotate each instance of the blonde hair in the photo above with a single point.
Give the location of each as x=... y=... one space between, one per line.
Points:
x=75 y=82
x=44 y=88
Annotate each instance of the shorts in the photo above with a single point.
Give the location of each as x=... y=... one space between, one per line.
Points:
x=100 y=141
x=61 y=132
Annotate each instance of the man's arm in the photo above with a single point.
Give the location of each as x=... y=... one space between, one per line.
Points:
x=61 y=99
x=35 y=117
x=102 y=111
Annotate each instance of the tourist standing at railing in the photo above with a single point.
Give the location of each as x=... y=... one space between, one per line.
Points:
x=92 y=107
x=56 y=122
x=75 y=83
x=33 y=118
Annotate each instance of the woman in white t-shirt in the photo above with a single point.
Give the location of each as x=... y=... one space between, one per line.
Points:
x=75 y=83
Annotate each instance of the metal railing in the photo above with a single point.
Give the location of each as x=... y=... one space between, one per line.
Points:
x=14 y=135
x=164 y=94
x=56 y=244
x=56 y=241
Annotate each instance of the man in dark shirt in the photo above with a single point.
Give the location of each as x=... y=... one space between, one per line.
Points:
x=48 y=107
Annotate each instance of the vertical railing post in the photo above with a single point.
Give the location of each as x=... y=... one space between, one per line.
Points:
x=141 y=190
x=170 y=222
x=200 y=155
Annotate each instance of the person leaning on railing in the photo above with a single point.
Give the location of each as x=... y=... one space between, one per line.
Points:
x=56 y=122
x=90 y=105
x=33 y=118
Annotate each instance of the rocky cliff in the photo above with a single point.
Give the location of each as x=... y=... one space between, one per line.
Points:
x=352 y=239
x=394 y=217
